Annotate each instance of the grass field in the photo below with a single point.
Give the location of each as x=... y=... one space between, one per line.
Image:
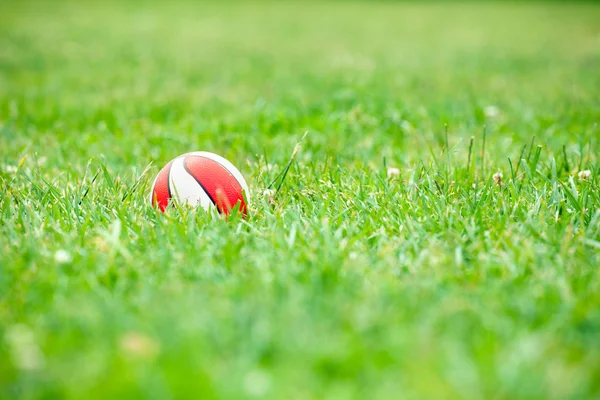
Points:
x=439 y=282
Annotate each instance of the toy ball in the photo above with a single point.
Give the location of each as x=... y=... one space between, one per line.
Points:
x=200 y=179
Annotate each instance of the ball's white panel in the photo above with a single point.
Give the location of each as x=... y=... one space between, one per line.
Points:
x=185 y=189
x=229 y=166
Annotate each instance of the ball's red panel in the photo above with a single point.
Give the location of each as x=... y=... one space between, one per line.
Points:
x=161 y=194
x=219 y=184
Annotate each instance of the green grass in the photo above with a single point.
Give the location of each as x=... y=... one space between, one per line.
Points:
x=437 y=283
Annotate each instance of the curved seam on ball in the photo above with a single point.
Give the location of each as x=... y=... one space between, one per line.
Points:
x=199 y=183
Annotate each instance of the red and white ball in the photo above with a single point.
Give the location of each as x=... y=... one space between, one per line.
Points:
x=200 y=179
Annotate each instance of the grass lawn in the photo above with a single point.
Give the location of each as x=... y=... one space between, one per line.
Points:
x=435 y=280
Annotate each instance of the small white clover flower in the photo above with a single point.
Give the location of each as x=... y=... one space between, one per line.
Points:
x=498 y=178
x=62 y=257
x=269 y=194
x=10 y=169
x=491 y=111
x=584 y=175
x=393 y=172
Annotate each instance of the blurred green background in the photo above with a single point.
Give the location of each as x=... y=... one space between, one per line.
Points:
x=192 y=75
